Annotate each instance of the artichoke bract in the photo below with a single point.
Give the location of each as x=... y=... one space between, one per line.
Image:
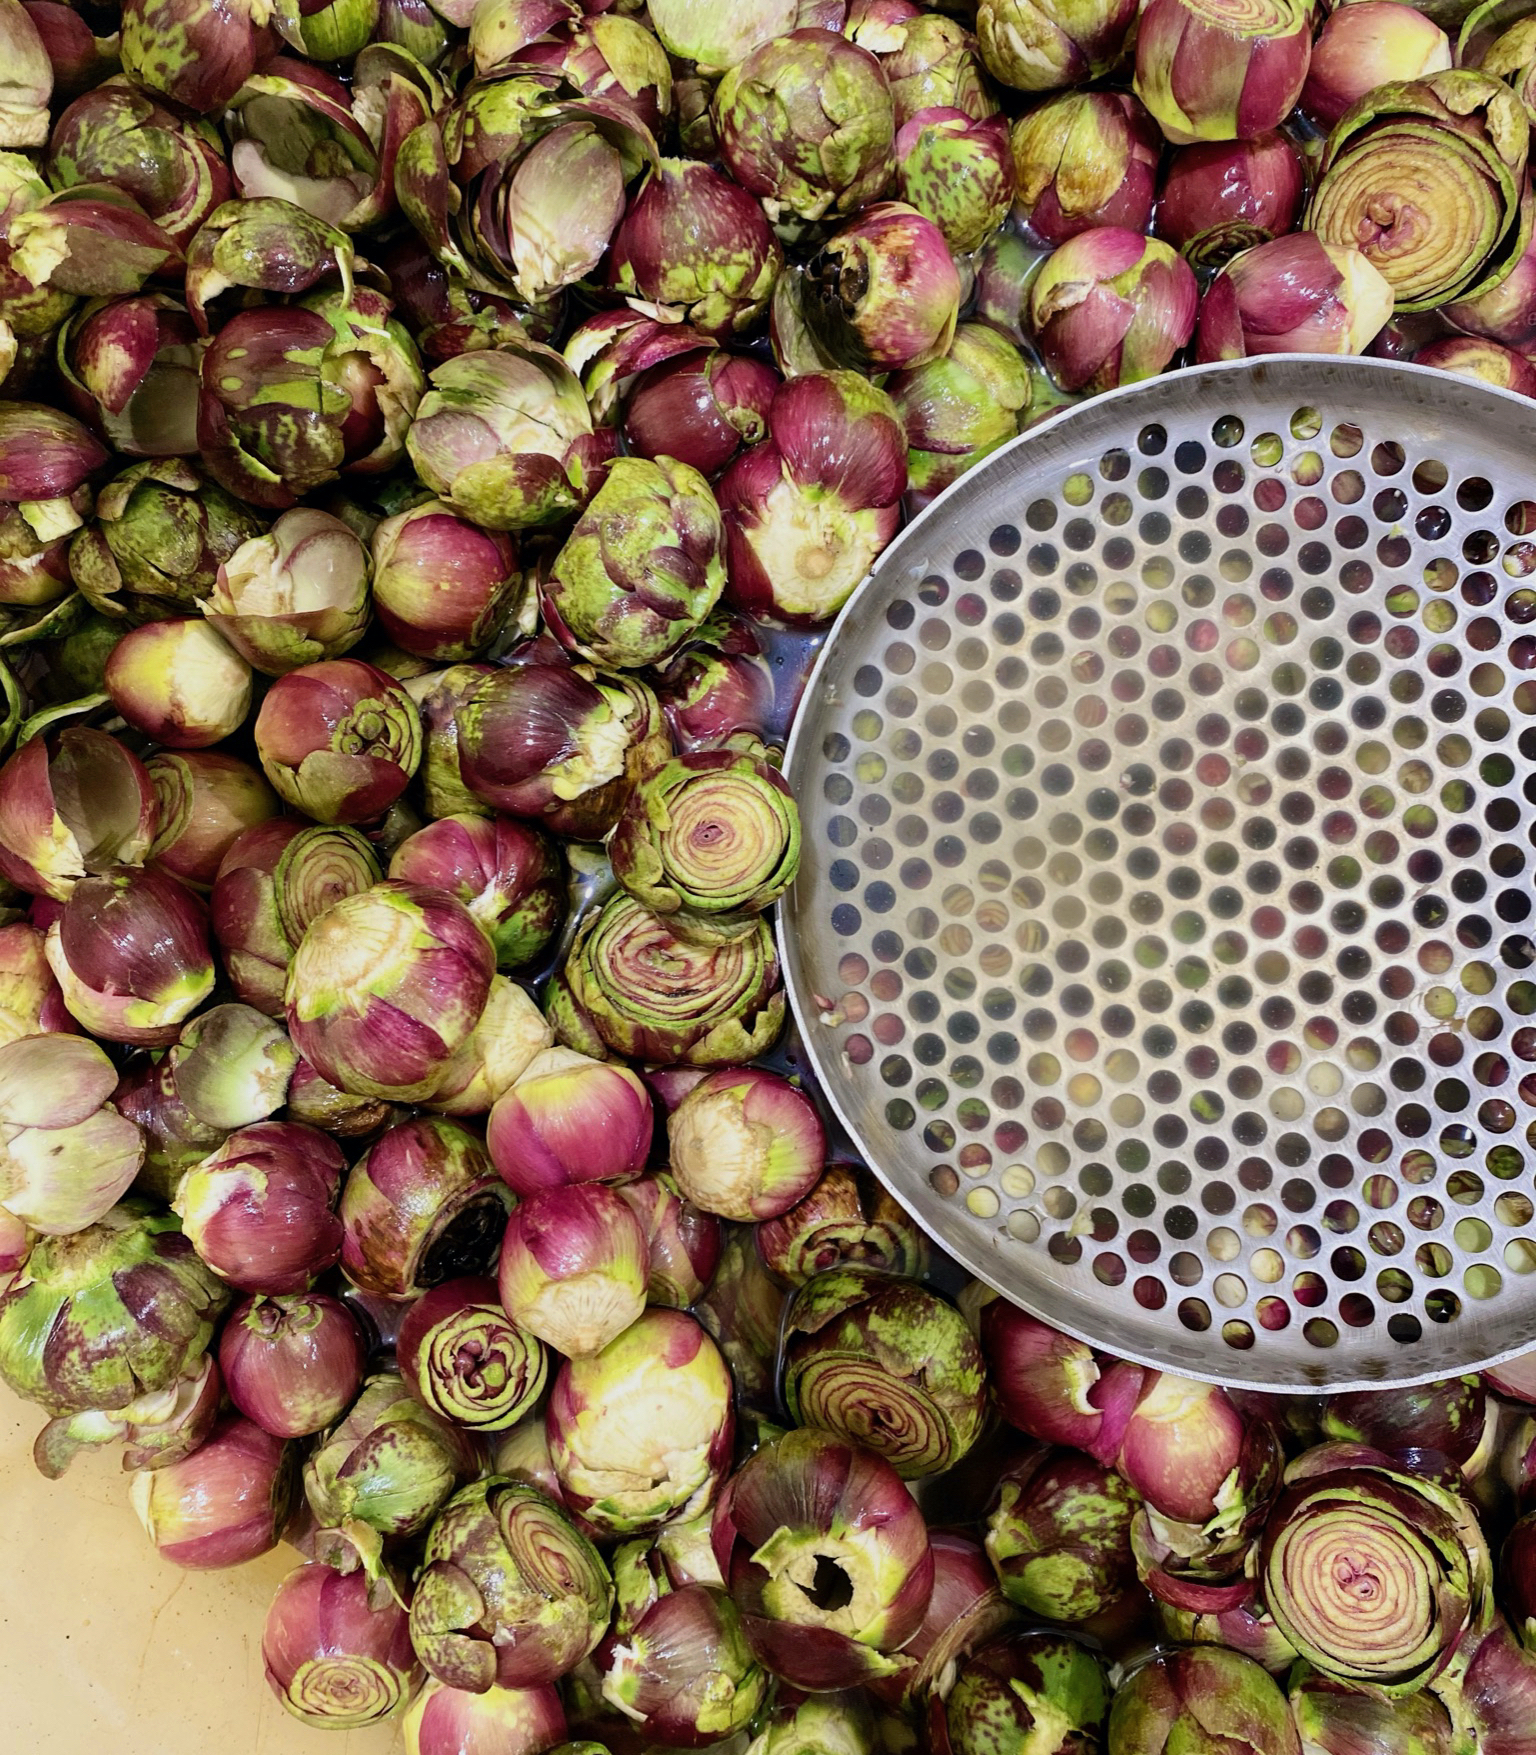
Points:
x=641 y=569
x=1221 y=69
x=1054 y=1387
x=207 y=801
x=438 y=696
x=232 y=1066
x=155 y=1430
x=293 y=596
x=1201 y=1696
x=66 y=1154
x=1035 y=47
x=1372 y=1573
x=1034 y=1692
x=333 y=1656
x=100 y=1318
x=518 y=187
x=827 y=1558
x=1110 y=307
x=1474 y=356
x=640 y=1433
x=447 y=1721
x=498 y=437
x=509 y=876
x=338 y=740
x=846 y=1218
x=441 y=585
x=71 y=804
x=1425 y=177
x=1223 y=196
x=119 y=134
x=386 y=986
x=885 y=1364
x=511 y=1594
x=957 y=172
x=743 y=1309
x=1294 y=294
x=179 y=683
x=966 y=1610
x=1060 y=1536
x=464 y=1358
x=632 y=986
x=1356 y=51
x=422 y=1205
x=708 y=841
x=129 y=367
x=1450 y=1416
x=682 y=1242
x=718 y=691
x=696 y=245
x=30 y=1001
x=1335 y=1719
x=700 y=408
x=1084 y=159
x=224 y=1504
x=808 y=511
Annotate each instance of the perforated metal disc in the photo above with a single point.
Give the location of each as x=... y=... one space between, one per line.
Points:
x=1164 y=933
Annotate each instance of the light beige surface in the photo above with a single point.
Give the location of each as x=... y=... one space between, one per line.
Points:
x=104 y=1646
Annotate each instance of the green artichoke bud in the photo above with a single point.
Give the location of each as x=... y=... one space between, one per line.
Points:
x=717 y=34
x=114 y=1312
x=1201 y=1698
x=1030 y=1694
x=295 y=595
x=496 y=436
x=806 y=124
x=333 y=30
x=631 y=986
x=887 y=1365
x=958 y=172
x=1426 y=177
x=1059 y=1536
x=389 y=1465
x=160 y=535
x=511 y=1594
x=642 y=568
x=1337 y=1720
x=1033 y=45
x=958 y=408
x=708 y=841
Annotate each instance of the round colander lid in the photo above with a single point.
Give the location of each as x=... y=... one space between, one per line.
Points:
x=1164 y=929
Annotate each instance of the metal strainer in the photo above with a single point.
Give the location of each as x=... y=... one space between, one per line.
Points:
x=1164 y=934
